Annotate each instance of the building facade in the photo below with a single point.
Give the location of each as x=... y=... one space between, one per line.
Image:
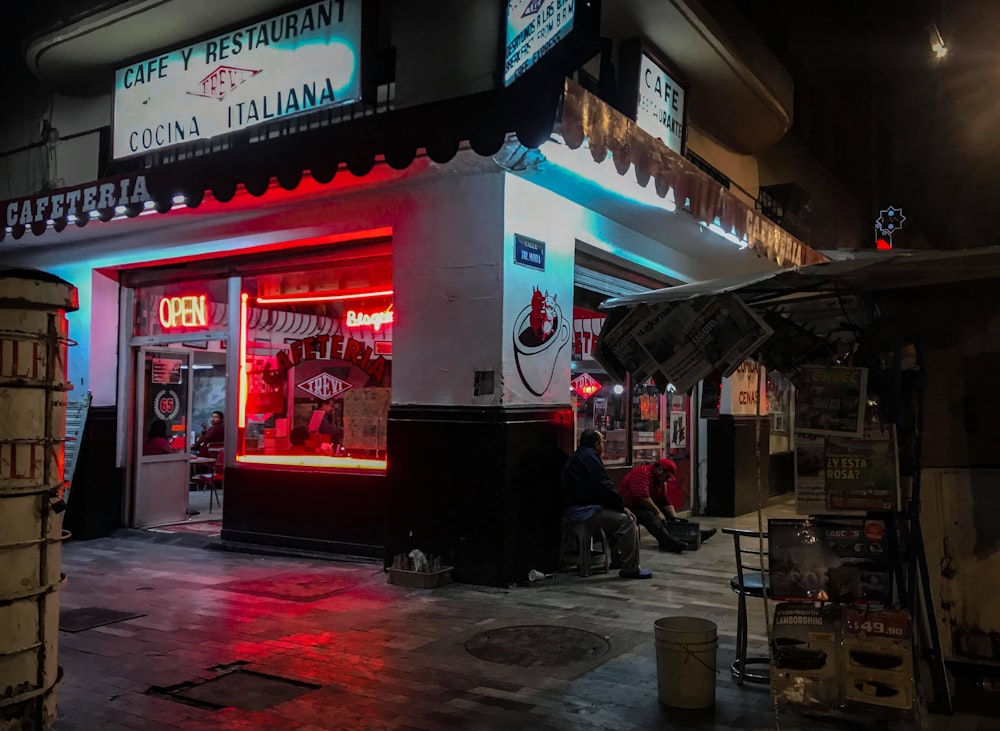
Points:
x=375 y=236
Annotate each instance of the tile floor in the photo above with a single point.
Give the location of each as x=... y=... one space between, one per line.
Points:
x=389 y=657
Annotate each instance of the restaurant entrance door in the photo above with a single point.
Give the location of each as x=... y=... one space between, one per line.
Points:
x=163 y=417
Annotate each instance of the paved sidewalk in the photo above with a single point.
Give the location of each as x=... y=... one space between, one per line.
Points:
x=238 y=641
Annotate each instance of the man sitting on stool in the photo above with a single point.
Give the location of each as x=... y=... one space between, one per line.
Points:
x=644 y=491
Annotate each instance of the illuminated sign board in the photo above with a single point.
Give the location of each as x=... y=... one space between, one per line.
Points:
x=291 y=63
x=533 y=28
x=659 y=96
x=186 y=311
x=375 y=320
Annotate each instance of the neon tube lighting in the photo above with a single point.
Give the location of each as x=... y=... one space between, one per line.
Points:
x=321 y=297
x=241 y=415
x=314 y=460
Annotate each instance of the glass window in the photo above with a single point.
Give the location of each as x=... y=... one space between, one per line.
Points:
x=649 y=422
x=317 y=354
x=178 y=308
x=598 y=403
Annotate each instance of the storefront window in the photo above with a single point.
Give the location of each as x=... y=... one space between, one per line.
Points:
x=648 y=423
x=598 y=403
x=180 y=308
x=317 y=350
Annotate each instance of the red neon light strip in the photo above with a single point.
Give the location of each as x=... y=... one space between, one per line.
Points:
x=322 y=297
x=241 y=414
x=310 y=460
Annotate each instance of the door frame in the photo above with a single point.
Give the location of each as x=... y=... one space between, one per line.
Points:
x=138 y=395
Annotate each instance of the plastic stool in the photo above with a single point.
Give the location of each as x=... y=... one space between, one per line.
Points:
x=579 y=537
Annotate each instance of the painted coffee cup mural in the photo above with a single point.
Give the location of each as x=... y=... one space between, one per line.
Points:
x=540 y=333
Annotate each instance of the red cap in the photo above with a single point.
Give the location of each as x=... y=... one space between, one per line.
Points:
x=669 y=465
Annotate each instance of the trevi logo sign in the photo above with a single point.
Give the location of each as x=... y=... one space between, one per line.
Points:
x=324 y=386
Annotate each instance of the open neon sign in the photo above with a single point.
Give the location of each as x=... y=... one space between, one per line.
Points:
x=374 y=319
x=186 y=311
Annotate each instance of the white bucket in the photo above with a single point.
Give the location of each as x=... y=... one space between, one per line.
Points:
x=685 y=661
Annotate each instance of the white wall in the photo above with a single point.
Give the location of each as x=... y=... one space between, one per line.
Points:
x=447 y=238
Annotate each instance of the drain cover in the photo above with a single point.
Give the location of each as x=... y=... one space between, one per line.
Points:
x=77 y=620
x=243 y=689
x=293 y=587
x=537 y=646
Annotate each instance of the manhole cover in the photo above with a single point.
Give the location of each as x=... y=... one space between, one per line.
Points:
x=77 y=620
x=243 y=689
x=537 y=646
x=293 y=587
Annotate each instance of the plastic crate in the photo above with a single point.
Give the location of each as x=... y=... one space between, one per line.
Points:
x=420 y=579
x=689 y=534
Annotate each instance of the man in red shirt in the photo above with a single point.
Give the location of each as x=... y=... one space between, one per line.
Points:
x=645 y=491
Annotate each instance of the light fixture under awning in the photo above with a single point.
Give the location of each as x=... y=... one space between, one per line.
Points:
x=588 y=121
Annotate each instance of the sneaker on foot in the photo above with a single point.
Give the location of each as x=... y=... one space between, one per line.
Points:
x=707 y=533
x=637 y=574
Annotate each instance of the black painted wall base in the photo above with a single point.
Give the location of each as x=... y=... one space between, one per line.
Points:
x=477 y=486
x=307 y=509
x=95 y=504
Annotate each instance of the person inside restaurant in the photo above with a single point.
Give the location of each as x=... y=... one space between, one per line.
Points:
x=327 y=424
x=156 y=439
x=214 y=436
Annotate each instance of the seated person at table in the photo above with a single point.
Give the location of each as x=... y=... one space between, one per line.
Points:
x=215 y=434
x=645 y=491
x=327 y=425
x=156 y=439
x=298 y=438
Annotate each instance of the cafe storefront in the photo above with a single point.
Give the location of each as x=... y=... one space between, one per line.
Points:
x=383 y=306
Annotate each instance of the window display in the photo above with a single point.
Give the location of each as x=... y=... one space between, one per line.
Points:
x=316 y=349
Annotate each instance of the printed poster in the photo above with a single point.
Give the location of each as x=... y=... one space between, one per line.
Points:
x=843 y=474
x=166 y=370
x=678 y=429
x=831 y=400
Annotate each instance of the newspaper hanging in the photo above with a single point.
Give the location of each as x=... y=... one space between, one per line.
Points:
x=680 y=342
x=831 y=400
x=844 y=474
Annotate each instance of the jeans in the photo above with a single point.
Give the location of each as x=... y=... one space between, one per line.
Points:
x=647 y=518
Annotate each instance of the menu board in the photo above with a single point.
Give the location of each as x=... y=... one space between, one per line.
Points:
x=166 y=370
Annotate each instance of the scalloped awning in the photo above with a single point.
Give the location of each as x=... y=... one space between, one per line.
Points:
x=586 y=118
x=484 y=121
x=532 y=110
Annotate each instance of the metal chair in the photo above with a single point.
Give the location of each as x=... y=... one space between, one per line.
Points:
x=214 y=479
x=750 y=581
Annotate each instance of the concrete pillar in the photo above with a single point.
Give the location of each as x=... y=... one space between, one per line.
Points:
x=33 y=386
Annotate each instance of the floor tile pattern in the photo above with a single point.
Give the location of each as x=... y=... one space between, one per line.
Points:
x=392 y=658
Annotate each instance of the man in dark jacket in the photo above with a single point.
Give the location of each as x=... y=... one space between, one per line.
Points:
x=591 y=498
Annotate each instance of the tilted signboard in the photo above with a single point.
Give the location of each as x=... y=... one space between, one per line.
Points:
x=289 y=64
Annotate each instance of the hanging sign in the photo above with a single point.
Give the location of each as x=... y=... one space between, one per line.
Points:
x=533 y=28
x=288 y=64
x=585 y=332
x=585 y=385
x=327 y=347
x=745 y=392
